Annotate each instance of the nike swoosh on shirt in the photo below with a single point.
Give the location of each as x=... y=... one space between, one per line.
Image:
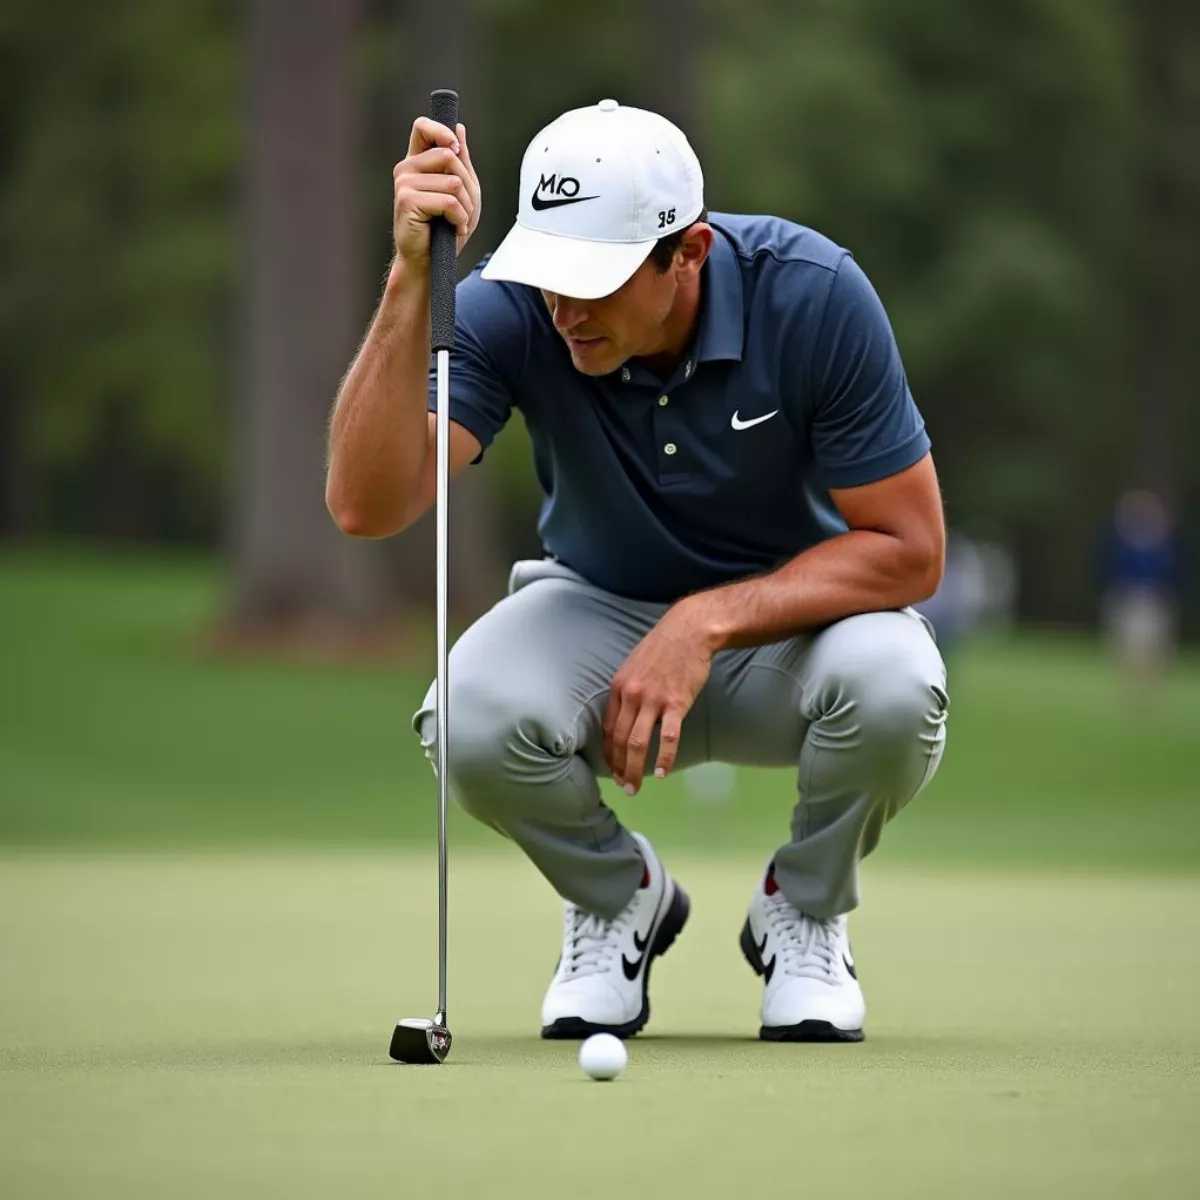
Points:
x=738 y=423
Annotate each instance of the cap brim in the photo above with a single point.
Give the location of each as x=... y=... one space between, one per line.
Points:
x=574 y=267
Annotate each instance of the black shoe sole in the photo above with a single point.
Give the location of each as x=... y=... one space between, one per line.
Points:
x=805 y=1031
x=576 y=1028
x=809 y=1031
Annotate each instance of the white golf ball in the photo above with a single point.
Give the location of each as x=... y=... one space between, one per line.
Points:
x=603 y=1056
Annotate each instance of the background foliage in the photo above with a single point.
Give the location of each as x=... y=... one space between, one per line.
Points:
x=1019 y=180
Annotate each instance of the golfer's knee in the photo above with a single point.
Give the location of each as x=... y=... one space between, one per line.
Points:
x=501 y=743
x=890 y=694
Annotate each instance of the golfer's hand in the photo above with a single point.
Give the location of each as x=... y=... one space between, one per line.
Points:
x=435 y=180
x=656 y=685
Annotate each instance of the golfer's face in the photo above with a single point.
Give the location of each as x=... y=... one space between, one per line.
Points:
x=602 y=334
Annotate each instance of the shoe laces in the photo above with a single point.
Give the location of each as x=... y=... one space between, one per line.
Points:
x=808 y=946
x=589 y=941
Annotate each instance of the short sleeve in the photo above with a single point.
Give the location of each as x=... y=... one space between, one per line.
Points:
x=865 y=424
x=489 y=337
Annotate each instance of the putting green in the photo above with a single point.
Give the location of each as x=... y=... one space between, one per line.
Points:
x=203 y=1026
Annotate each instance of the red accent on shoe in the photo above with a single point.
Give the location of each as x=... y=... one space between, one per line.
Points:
x=770 y=886
x=645 y=876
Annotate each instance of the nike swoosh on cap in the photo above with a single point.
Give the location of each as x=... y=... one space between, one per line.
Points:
x=539 y=205
x=738 y=423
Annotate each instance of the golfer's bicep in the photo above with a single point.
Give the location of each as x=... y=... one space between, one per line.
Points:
x=465 y=448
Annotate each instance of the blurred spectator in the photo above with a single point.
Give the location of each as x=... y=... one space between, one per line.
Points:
x=1141 y=571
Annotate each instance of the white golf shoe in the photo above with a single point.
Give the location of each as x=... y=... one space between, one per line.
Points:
x=812 y=992
x=602 y=981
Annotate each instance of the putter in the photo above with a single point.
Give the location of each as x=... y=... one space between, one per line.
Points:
x=419 y=1039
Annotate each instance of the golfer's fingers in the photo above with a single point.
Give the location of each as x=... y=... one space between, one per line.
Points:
x=428 y=205
x=472 y=178
x=450 y=185
x=611 y=713
x=626 y=716
x=670 y=729
x=427 y=132
x=413 y=171
x=636 y=745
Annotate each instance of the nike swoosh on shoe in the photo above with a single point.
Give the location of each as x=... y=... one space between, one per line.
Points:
x=632 y=969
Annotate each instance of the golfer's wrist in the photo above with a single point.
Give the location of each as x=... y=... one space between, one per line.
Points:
x=705 y=617
x=404 y=281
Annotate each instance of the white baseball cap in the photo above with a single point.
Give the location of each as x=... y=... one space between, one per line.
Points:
x=599 y=186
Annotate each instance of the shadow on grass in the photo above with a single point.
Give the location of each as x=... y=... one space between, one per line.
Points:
x=368 y=1050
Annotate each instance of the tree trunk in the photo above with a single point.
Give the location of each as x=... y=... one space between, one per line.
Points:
x=1164 y=324
x=675 y=42
x=295 y=572
x=16 y=475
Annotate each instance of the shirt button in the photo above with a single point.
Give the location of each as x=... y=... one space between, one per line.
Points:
x=624 y=374
x=670 y=448
x=663 y=402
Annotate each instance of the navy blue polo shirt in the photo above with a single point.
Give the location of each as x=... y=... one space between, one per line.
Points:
x=653 y=488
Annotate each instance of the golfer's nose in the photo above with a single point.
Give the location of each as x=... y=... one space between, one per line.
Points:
x=568 y=314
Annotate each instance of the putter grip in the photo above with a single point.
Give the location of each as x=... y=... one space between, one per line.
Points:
x=443 y=108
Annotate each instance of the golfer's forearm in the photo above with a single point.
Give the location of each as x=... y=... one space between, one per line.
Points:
x=860 y=571
x=378 y=435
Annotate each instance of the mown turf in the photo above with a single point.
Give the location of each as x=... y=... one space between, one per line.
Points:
x=118 y=728
x=200 y=1026
x=201 y=957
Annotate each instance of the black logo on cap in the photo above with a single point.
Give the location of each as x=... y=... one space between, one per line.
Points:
x=563 y=190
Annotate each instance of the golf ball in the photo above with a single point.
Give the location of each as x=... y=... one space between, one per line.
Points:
x=603 y=1056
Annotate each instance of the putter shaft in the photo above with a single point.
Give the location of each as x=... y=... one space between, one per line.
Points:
x=417 y=1039
x=443 y=540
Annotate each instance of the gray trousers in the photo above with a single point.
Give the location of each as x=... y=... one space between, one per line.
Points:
x=859 y=708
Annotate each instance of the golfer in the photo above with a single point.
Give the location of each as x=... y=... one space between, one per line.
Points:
x=740 y=510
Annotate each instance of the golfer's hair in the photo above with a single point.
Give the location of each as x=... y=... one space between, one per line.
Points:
x=665 y=247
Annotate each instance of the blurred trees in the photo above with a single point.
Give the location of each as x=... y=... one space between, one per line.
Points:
x=1019 y=180
x=119 y=146
x=1167 y=188
x=292 y=568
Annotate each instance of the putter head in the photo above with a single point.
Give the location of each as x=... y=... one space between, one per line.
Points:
x=418 y=1040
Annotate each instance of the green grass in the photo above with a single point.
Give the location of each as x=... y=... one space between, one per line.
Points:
x=212 y=1025
x=217 y=896
x=117 y=727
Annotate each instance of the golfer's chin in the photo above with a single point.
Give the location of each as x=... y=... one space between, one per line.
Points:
x=594 y=356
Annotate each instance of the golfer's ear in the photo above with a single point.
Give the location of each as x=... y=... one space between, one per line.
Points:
x=694 y=248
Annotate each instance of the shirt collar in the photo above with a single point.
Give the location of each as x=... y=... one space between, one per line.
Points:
x=722 y=317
